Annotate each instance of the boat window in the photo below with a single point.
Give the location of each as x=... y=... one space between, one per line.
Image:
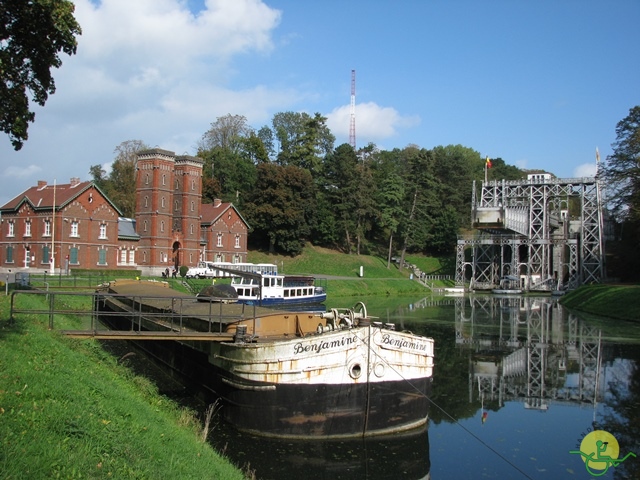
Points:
x=298 y=292
x=279 y=280
x=286 y=293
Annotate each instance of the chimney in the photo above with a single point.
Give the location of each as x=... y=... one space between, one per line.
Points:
x=217 y=202
x=42 y=183
x=74 y=181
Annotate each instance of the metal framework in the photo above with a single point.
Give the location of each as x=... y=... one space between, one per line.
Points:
x=352 y=126
x=546 y=231
x=529 y=341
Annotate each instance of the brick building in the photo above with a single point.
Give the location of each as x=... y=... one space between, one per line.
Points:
x=81 y=231
x=84 y=229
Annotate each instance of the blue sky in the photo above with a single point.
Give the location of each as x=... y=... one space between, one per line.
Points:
x=539 y=84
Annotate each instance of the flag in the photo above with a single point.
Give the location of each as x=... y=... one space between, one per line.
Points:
x=484 y=416
x=488 y=163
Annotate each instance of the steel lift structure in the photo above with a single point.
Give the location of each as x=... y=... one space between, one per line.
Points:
x=546 y=231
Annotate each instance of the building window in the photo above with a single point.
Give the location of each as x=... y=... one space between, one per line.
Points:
x=132 y=257
x=102 y=256
x=146 y=202
x=237 y=241
x=177 y=184
x=192 y=206
x=123 y=256
x=219 y=240
x=146 y=179
x=236 y=258
x=47 y=228
x=45 y=254
x=9 y=254
x=144 y=257
x=27 y=228
x=193 y=184
x=176 y=206
x=162 y=226
x=191 y=229
x=162 y=202
x=74 y=229
x=219 y=258
x=11 y=232
x=145 y=225
x=73 y=256
x=103 y=231
x=191 y=259
x=164 y=179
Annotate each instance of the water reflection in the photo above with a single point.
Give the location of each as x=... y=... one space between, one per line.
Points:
x=518 y=383
x=528 y=349
x=384 y=458
x=522 y=355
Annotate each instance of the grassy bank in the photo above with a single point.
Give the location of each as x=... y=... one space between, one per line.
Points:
x=377 y=279
x=70 y=410
x=611 y=301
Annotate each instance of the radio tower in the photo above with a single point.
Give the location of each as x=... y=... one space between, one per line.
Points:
x=352 y=127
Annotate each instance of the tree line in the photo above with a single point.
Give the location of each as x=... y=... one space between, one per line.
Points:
x=293 y=186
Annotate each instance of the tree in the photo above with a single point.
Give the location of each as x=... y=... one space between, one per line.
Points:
x=227 y=133
x=390 y=195
x=281 y=207
x=622 y=169
x=120 y=184
x=32 y=33
x=304 y=140
x=340 y=186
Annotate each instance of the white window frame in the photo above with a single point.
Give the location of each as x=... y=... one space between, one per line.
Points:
x=103 y=231
x=74 y=229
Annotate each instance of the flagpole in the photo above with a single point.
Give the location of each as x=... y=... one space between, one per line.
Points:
x=52 y=259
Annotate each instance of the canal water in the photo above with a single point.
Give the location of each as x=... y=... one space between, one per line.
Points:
x=519 y=385
x=523 y=389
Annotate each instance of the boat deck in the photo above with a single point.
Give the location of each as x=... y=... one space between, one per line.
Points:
x=179 y=314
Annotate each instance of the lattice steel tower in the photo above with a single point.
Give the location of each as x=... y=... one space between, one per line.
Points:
x=546 y=231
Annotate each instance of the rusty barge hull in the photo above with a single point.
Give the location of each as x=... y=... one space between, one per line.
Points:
x=294 y=375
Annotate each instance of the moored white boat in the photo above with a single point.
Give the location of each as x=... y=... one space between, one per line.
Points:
x=266 y=290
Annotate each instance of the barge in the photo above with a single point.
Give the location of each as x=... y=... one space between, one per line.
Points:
x=333 y=374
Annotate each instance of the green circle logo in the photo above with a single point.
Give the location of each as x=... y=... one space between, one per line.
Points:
x=599 y=451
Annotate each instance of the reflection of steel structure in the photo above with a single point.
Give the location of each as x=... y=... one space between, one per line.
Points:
x=523 y=348
x=547 y=231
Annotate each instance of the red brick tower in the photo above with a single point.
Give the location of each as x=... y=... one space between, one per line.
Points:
x=187 y=199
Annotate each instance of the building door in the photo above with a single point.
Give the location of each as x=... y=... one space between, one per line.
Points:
x=176 y=255
x=27 y=257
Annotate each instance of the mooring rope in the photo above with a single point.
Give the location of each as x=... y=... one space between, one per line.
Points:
x=482 y=442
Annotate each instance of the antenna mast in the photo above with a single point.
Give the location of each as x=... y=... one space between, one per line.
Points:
x=352 y=127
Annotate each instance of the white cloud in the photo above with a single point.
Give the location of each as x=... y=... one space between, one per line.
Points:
x=373 y=122
x=149 y=70
x=585 y=170
x=22 y=172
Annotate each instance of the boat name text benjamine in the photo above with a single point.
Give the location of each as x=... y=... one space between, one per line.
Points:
x=387 y=340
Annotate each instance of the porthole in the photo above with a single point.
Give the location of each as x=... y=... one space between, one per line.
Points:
x=355 y=371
